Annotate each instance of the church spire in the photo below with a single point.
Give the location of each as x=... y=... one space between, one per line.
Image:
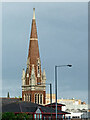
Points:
x=33 y=54
x=32 y=88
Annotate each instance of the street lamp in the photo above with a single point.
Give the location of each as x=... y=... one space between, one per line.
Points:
x=56 y=82
x=50 y=85
x=50 y=95
x=50 y=92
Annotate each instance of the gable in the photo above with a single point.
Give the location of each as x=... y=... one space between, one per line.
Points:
x=38 y=111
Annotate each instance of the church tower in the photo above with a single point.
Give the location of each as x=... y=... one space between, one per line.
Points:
x=33 y=80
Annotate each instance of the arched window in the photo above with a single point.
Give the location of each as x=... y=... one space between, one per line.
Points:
x=38 y=98
x=30 y=97
x=25 y=97
x=35 y=98
x=41 y=99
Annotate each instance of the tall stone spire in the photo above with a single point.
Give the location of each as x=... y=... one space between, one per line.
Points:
x=33 y=53
x=33 y=82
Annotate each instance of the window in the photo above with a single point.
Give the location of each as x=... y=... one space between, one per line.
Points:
x=38 y=116
x=35 y=116
x=30 y=97
x=49 y=118
x=41 y=99
x=38 y=98
x=25 y=97
x=35 y=98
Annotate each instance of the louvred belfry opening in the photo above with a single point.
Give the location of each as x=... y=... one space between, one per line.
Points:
x=33 y=79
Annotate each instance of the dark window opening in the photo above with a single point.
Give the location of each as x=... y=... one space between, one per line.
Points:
x=38 y=98
x=30 y=97
x=35 y=98
x=41 y=99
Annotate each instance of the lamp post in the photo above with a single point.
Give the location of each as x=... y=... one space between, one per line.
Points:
x=56 y=82
x=50 y=92
x=50 y=95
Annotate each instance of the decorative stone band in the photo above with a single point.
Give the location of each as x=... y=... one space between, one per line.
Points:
x=33 y=39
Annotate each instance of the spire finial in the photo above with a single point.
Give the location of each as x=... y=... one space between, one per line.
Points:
x=33 y=13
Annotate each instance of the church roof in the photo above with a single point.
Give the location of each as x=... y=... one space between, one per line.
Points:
x=16 y=105
x=9 y=100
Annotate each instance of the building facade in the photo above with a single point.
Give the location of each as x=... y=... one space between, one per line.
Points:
x=33 y=80
x=76 y=107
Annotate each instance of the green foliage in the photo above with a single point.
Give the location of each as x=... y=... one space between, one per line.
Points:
x=23 y=116
x=20 y=116
x=8 y=116
x=30 y=117
x=0 y=115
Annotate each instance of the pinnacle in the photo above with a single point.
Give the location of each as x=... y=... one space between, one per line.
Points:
x=33 y=35
x=33 y=13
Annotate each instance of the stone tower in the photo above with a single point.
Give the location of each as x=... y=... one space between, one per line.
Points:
x=33 y=80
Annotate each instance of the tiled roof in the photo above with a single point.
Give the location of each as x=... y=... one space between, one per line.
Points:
x=9 y=100
x=33 y=29
x=33 y=52
x=53 y=104
x=15 y=105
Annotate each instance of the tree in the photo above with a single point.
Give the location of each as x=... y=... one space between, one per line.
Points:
x=23 y=116
x=0 y=115
x=8 y=116
x=30 y=117
x=12 y=116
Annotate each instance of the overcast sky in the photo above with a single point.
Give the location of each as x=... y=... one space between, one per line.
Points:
x=63 y=39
